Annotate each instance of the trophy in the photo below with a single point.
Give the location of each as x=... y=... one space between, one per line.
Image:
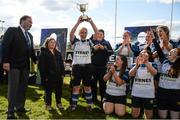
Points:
x=82 y=8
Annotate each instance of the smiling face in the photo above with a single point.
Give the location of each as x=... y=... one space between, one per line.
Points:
x=99 y=36
x=126 y=36
x=26 y=23
x=163 y=33
x=144 y=56
x=51 y=44
x=83 y=33
x=118 y=61
x=173 y=55
x=149 y=37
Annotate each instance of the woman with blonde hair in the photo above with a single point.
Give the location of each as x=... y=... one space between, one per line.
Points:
x=168 y=93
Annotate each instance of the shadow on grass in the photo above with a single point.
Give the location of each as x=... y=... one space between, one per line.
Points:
x=23 y=116
x=33 y=93
x=3 y=90
x=35 y=103
x=79 y=113
x=53 y=114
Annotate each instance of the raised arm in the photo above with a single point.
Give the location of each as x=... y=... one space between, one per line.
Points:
x=93 y=25
x=158 y=48
x=112 y=72
x=151 y=69
x=133 y=70
x=73 y=30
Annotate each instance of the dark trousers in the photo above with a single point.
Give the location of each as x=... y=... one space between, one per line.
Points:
x=49 y=90
x=1 y=73
x=98 y=74
x=17 y=86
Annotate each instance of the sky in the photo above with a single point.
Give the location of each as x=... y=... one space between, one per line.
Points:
x=64 y=14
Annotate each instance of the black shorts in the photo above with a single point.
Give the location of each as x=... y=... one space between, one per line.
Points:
x=168 y=99
x=81 y=72
x=146 y=103
x=115 y=99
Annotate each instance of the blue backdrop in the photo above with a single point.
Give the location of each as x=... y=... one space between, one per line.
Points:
x=61 y=34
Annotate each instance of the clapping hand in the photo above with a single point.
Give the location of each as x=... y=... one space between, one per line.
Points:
x=112 y=69
x=153 y=33
x=142 y=59
x=101 y=47
x=125 y=42
x=96 y=47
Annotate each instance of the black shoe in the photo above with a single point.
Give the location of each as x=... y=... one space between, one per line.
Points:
x=23 y=110
x=60 y=106
x=89 y=109
x=11 y=116
x=71 y=108
x=95 y=100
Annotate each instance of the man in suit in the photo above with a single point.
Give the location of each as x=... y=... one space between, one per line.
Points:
x=1 y=68
x=17 y=50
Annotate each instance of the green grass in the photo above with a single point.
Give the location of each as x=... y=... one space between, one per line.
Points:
x=35 y=102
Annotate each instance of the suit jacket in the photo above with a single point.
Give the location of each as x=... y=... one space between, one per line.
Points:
x=15 y=49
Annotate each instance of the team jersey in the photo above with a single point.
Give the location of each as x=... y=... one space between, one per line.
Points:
x=142 y=46
x=114 y=89
x=125 y=53
x=143 y=85
x=166 y=81
x=82 y=52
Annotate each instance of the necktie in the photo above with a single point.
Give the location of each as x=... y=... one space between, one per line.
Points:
x=27 y=39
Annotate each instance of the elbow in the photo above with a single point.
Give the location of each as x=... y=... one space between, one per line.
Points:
x=121 y=82
x=131 y=74
x=154 y=72
x=105 y=78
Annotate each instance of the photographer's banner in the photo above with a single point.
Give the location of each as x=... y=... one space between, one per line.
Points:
x=59 y=34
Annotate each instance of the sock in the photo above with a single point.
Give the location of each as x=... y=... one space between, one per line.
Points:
x=88 y=96
x=75 y=97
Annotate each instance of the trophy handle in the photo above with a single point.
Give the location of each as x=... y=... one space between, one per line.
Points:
x=86 y=4
x=78 y=6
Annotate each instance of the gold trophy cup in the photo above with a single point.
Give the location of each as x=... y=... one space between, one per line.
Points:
x=82 y=8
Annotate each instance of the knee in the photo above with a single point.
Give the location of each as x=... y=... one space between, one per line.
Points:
x=120 y=113
x=161 y=116
x=107 y=112
x=107 y=109
x=135 y=115
x=87 y=89
x=76 y=89
x=135 y=112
